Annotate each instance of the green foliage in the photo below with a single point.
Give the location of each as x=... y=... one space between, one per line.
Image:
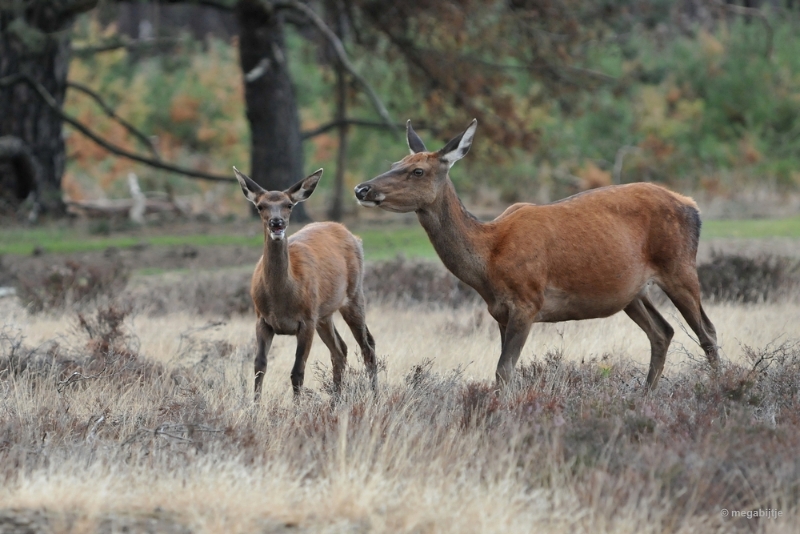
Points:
x=704 y=108
x=700 y=109
x=189 y=99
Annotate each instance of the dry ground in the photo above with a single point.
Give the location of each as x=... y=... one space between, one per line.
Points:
x=465 y=337
x=155 y=430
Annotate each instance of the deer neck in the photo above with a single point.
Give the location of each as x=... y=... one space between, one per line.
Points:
x=277 y=269
x=457 y=236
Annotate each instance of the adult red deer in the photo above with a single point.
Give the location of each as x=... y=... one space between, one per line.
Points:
x=587 y=256
x=300 y=282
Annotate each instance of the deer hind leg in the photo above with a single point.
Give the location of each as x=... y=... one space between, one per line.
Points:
x=305 y=337
x=658 y=331
x=264 y=335
x=335 y=343
x=683 y=289
x=514 y=336
x=354 y=315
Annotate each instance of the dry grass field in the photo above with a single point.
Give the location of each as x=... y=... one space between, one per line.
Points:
x=117 y=417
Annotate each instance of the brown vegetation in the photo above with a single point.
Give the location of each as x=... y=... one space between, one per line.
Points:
x=569 y=447
x=739 y=278
x=55 y=285
x=61 y=284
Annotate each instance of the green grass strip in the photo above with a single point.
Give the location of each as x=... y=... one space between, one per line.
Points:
x=751 y=228
x=66 y=242
x=378 y=243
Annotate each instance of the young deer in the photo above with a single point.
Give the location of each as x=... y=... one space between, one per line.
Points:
x=300 y=282
x=587 y=256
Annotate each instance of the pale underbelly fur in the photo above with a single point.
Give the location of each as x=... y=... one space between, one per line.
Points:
x=560 y=305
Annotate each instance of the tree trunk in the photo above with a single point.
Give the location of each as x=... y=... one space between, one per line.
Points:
x=39 y=48
x=276 y=158
x=19 y=176
x=336 y=210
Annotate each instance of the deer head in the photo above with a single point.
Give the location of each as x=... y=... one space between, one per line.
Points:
x=275 y=207
x=415 y=181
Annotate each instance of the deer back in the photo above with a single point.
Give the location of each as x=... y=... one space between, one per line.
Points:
x=607 y=241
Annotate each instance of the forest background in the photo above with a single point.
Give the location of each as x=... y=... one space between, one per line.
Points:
x=701 y=96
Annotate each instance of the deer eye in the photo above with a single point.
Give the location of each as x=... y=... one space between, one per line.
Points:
x=418 y=172
x=289 y=206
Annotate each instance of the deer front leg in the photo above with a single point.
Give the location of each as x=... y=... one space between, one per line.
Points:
x=264 y=335
x=514 y=337
x=305 y=336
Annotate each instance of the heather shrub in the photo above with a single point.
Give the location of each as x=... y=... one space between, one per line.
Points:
x=220 y=294
x=70 y=283
x=581 y=431
x=400 y=281
x=407 y=281
x=736 y=278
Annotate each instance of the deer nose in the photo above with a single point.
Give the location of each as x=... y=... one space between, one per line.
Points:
x=361 y=191
x=276 y=222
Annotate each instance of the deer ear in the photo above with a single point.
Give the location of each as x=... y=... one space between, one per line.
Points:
x=415 y=144
x=250 y=189
x=303 y=189
x=458 y=146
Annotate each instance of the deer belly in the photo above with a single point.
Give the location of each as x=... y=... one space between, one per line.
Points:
x=560 y=305
x=283 y=326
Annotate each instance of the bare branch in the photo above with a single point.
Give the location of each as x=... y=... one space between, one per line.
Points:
x=48 y=99
x=414 y=56
x=547 y=68
x=73 y=7
x=111 y=114
x=171 y=431
x=751 y=12
x=78 y=377
x=123 y=42
x=341 y=54
x=619 y=159
x=325 y=128
x=222 y=5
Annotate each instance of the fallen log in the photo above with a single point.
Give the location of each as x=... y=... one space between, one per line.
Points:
x=135 y=207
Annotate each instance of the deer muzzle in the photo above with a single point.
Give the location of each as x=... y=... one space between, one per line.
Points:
x=277 y=228
x=366 y=195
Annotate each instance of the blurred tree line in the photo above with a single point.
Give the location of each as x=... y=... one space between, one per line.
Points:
x=524 y=68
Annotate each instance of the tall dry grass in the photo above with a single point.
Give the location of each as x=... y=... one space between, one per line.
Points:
x=147 y=424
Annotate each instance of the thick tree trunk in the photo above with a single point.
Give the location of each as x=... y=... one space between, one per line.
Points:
x=276 y=153
x=37 y=45
x=19 y=176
